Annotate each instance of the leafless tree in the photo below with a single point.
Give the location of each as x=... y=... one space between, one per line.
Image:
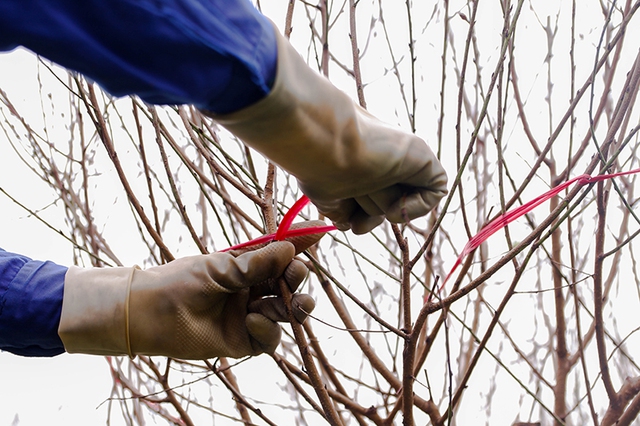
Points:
x=539 y=324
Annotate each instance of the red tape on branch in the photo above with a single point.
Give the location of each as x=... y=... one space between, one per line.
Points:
x=474 y=242
x=504 y=219
x=287 y=220
x=283 y=232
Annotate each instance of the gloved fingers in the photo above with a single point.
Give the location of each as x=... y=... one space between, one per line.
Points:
x=398 y=203
x=342 y=226
x=353 y=216
x=266 y=333
x=361 y=222
x=250 y=268
x=302 y=305
x=270 y=307
x=404 y=202
x=373 y=208
x=295 y=273
x=274 y=309
x=414 y=205
x=423 y=190
x=301 y=243
x=360 y=214
x=372 y=205
x=339 y=211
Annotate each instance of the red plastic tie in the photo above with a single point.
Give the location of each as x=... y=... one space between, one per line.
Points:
x=283 y=232
x=287 y=220
x=504 y=219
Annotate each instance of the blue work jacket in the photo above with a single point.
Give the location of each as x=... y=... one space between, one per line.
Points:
x=219 y=55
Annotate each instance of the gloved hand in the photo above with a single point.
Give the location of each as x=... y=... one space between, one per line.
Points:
x=354 y=168
x=197 y=307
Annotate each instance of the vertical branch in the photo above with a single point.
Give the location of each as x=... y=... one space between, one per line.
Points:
x=572 y=288
x=459 y=161
x=412 y=58
x=329 y=409
x=355 y=52
x=91 y=232
x=330 y=413
x=443 y=74
x=324 y=15
x=621 y=109
x=561 y=354
x=288 y=23
x=581 y=346
x=408 y=354
x=145 y=165
x=269 y=202
x=601 y=202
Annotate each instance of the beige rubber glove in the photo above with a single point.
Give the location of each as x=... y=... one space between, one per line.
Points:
x=197 y=307
x=354 y=168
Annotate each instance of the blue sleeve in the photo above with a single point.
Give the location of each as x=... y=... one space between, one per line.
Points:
x=30 y=305
x=219 y=55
